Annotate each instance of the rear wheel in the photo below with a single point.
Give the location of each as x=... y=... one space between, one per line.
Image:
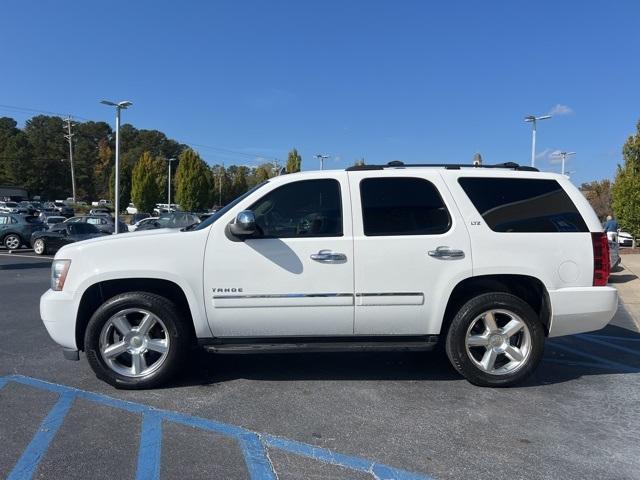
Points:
x=39 y=247
x=495 y=340
x=136 y=340
x=12 y=241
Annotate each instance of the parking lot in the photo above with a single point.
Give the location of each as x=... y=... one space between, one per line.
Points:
x=347 y=415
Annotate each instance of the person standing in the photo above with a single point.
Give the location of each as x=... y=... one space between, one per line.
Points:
x=611 y=225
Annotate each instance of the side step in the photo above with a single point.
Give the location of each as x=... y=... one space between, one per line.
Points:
x=319 y=344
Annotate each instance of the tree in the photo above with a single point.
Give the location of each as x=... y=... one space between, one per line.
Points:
x=239 y=181
x=598 y=193
x=626 y=188
x=145 y=190
x=294 y=161
x=125 y=186
x=222 y=184
x=102 y=169
x=261 y=173
x=193 y=182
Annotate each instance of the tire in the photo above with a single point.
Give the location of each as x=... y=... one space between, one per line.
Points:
x=39 y=247
x=485 y=351
x=12 y=241
x=115 y=352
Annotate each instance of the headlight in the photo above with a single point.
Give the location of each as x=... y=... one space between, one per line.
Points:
x=59 y=269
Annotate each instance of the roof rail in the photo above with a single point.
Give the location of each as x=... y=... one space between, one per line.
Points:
x=448 y=166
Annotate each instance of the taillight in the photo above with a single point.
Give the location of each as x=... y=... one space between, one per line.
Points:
x=601 y=264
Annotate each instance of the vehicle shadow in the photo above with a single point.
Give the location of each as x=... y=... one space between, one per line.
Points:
x=624 y=278
x=565 y=359
x=25 y=266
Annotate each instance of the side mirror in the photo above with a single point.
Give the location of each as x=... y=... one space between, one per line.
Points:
x=244 y=225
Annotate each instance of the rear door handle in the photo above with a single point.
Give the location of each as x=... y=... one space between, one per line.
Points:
x=328 y=256
x=445 y=252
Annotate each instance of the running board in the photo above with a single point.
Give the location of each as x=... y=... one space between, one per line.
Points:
x=319 y=344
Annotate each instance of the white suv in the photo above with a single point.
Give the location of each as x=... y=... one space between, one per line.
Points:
x=488 y=261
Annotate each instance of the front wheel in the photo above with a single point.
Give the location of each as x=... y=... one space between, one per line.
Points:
x=136 y=340
x=495 y=340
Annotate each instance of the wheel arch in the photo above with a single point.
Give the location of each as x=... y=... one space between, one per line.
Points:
x=530 y=289
x=99 y=292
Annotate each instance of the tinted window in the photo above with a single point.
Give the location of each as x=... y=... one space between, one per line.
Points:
x=402 y=206
x=308 y=208
x=82 y=229
x=523 y=205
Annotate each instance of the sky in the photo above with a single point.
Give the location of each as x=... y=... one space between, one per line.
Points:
x=417 y=81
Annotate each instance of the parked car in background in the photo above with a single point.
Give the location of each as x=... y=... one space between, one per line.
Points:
x=139 y=223
x=625 y=239
x=16 y=229
x=9 y=207
x=614 y=253
x=63 y=234
x=171 y=220
x=28 y=208
x=64 y=209
x=104 y=223
x=51 y=220
x=100 y=211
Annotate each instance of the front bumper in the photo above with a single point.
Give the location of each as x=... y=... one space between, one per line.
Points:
x=58 y=313
x=581 y=309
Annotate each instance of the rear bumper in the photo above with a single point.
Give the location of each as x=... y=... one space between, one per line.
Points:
x=58 y=313
x=581 y=309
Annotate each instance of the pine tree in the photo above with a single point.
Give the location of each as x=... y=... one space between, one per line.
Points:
x=145 y=191
x=626 y=188
x=194 y=185
x=294 y=161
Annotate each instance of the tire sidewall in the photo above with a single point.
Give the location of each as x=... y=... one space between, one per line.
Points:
x=456 y=336
x=159 y=306
x=8 y=236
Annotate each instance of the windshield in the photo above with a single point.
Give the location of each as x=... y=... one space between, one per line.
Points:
x=11 y=204
x=209 y=221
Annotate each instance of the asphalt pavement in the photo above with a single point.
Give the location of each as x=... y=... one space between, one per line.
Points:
x=299 y=416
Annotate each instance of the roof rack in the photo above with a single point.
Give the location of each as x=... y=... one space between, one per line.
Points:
x=448 y=166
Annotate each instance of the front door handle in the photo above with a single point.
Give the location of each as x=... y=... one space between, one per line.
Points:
x=445 y=253
x=328 y=256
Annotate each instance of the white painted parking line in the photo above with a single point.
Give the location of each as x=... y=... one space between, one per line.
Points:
x=37 y=257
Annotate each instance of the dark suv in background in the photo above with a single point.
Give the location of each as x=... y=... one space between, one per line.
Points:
x=16 y=230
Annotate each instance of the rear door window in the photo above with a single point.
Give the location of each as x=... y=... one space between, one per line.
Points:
x=402 y=206
x=523 y=205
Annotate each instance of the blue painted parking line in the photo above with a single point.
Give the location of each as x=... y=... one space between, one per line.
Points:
x=631 y=351
x=150 y=447
x=28 y=462
x=611 y=365
x=635 y=338
x=253 y=445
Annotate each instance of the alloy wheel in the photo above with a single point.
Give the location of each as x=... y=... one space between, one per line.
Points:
x=134 y=343
x=498 y=342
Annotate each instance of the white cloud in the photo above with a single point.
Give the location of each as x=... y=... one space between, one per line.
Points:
x=560 y=109
x=543 y=155
x=554 y=157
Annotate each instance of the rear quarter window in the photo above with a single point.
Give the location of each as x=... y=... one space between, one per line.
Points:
x=523 y=205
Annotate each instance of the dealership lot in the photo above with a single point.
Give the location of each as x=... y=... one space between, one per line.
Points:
x=392 y=415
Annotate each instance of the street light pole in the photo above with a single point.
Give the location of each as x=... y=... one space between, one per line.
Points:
x=322 y=158
x=533 y=120
x=119 y=106
x=169 y=160
x=69 y=136
x=564 y=156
